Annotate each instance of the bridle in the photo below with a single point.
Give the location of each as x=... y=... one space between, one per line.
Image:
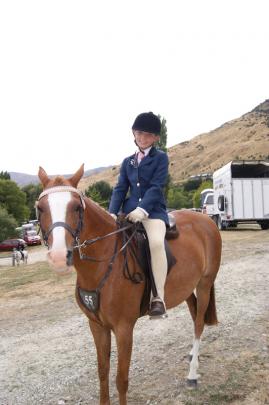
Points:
x=75 y=233
x=135 y=277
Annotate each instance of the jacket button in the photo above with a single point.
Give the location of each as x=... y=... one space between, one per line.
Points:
x=140 y=199
x=138 y=184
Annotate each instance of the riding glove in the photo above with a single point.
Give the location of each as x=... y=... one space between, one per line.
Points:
x=137 y=215
x=114 y=216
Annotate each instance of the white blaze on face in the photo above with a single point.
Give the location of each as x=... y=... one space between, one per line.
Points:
x=58 y=207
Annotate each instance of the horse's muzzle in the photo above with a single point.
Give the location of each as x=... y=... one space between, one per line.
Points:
x=61 y=261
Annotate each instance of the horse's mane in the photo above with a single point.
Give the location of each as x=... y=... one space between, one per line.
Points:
x=95 y=204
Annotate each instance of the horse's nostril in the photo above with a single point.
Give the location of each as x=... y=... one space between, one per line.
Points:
x=69 y=258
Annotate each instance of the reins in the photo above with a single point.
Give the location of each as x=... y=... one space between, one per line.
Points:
x=89 y=242
x=135 y=277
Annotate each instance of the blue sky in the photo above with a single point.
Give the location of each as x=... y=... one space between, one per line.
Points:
x=74 y=75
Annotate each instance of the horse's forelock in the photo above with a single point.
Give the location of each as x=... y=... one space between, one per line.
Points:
x=58 y=181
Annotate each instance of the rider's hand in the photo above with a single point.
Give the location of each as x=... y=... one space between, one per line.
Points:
x=114 y=216
x=137 y=215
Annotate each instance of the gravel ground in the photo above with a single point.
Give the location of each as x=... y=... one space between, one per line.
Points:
x=47 y=355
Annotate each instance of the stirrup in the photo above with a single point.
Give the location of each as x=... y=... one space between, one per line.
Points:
x=157 y=310
x=156 y=317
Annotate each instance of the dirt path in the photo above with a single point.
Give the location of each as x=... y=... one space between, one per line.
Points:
x=47 y=355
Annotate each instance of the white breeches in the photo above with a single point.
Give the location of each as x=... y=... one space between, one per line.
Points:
x=156 y=230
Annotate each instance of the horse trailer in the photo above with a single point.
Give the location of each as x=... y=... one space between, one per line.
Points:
x=241 y=193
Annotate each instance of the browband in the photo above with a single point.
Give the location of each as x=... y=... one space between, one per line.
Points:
x=57 y=189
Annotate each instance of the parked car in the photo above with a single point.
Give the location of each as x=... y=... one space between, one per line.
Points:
x=208 y=205
x=10 y=244
x=32 y=238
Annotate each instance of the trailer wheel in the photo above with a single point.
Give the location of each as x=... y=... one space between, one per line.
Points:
x=264 y=225
x=232 y=224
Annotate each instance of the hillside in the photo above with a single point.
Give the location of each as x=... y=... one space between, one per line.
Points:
x=23 y=179
x=246 y=137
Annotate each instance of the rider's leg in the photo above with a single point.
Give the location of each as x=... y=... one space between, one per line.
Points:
x=156 y=230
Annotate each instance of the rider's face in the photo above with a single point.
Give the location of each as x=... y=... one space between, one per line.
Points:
x=145 y=139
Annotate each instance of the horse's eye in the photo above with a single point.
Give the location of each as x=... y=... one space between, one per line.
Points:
x=77 y=209
x=39 y=209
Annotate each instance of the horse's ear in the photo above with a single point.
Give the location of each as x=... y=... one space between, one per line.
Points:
x=44 y=178
x=74 y=180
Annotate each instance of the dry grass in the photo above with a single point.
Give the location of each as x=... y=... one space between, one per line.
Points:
x=15 y=277
x=21 y=279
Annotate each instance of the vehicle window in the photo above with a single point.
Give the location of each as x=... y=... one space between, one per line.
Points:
x=31 y=233
x=210 y=199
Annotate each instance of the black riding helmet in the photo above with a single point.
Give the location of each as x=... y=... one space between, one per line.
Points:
x=147 y=122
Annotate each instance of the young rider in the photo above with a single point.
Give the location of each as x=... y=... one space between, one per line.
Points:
x=144 y=175
x=20 y=248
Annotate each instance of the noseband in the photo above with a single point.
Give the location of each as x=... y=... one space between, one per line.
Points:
x=75 y=233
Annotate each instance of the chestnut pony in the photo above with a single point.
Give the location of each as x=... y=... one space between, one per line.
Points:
x=75 y=228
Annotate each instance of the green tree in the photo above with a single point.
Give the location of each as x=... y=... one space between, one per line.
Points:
x=178 y=198
x=167 y=185
x=8 y=225
x=100 y=192
x=192 y=184
x=197 y=194
x=32 y=192
x=13 y=199
x=4 y=175
x=161 y=144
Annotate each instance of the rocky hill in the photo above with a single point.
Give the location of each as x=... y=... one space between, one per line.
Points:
x=244 y=138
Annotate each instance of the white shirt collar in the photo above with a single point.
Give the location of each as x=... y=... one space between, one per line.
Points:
x=146 y=151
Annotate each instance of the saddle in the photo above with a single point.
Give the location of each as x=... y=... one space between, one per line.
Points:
x=172 y=231
x=141 y=252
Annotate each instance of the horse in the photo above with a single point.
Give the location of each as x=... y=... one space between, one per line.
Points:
x=17 y=257
x=80 y=233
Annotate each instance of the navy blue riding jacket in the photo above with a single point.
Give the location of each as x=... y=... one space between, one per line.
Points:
x=144 y=182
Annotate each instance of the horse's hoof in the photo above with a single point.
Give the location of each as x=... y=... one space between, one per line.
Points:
x=192 y=383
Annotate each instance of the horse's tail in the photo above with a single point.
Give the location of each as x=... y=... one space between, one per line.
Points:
x=211 y=312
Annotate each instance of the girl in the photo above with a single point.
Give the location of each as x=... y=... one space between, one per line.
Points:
x=144 y=175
